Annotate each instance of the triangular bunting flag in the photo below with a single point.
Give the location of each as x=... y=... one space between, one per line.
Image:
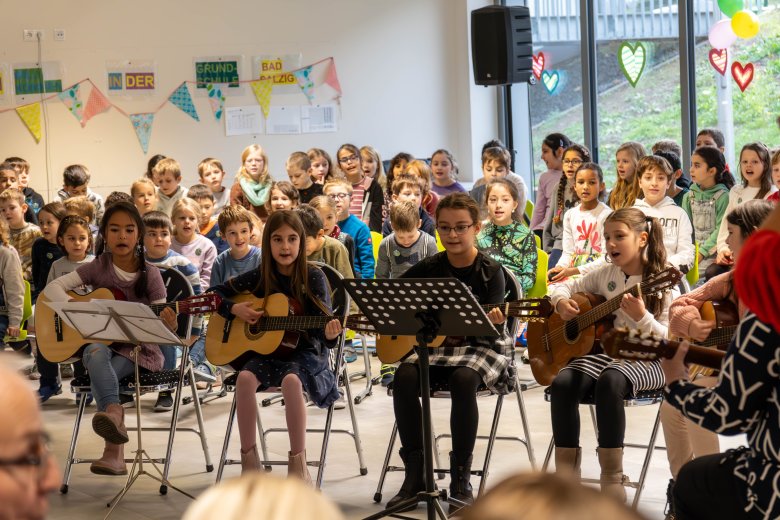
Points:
x=142 y=124
x=182 y=99
x=262 y=89
x=31 y=117
x=304 y=81
x=331 y=78
x=72 y=100
x=216 y=100
x=96 y=104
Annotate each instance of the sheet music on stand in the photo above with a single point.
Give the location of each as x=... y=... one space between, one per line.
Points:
x=109 y=321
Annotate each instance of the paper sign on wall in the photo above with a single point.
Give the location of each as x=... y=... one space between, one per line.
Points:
x=243 y=120
x=5 y=86
x=218 y=70
x=131 y=77
x=33 y=78
x=278 y=68
x=284 y=120
x=318 y=118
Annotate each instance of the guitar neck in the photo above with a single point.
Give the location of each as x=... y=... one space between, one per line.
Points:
x=603 y=310
x=718 y=337
x=303 y=322
x=706 y=357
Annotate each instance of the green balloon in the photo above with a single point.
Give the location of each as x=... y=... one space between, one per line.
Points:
x=731 y=7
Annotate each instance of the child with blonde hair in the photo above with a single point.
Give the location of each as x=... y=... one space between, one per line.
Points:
x=321 y=169
x=422 y=171
x=372 y=165
x=252 y=188
x=188 y=241
x=626 y=190
x=144 y=194
x=167 y=177
x=211 y=173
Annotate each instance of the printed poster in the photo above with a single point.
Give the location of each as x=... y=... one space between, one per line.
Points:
x=5 y=85
x=218 y=70
x=279 y=69
x=284 y=120
x=246 y=120
x=318 y=118
x=131 y=77
x=32 y=79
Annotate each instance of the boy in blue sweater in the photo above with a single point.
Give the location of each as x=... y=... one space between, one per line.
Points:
x=340 y=191
x=242 y=256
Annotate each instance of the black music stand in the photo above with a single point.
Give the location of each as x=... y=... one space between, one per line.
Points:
x=109 y=321
x=424 y=308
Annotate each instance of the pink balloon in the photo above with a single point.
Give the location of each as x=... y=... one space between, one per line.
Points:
x=722 y=35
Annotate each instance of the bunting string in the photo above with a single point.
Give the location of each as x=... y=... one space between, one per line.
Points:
x=97 y=103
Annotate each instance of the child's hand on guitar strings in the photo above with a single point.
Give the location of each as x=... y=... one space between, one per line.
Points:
x=169 y=317
x=245 y=311
x=674 y=368
x=332 y=329
x=633 y=307
x=568 y=309
x=700 y=329
x=495 y=316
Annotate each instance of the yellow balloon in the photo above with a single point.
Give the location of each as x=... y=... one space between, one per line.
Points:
x=745 y=24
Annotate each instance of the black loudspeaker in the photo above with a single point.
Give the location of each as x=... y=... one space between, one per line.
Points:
x=501 y=46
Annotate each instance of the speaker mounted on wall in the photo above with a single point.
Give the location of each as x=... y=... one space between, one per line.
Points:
x=501 y=45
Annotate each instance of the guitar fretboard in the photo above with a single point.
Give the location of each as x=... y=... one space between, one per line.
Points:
x=719 y=336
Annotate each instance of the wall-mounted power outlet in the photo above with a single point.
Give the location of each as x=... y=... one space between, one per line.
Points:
x=59 y=35
x=33 y=35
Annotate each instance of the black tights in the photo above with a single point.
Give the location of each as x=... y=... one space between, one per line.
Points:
x=570 y=388
x=464 y=415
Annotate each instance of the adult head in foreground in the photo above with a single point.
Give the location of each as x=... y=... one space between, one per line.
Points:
x=28 y=472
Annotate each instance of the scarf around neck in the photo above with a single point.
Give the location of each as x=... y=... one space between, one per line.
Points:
x=256 y=192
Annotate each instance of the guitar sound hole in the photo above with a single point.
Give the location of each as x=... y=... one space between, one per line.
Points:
x=571 y=330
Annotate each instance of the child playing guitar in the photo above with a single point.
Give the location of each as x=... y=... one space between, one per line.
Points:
x=121 y=267
x=283 y=269
x=463 y=364
x=635 y=251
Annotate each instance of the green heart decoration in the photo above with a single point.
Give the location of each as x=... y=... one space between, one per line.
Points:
x=632 y=59
x=551 y=79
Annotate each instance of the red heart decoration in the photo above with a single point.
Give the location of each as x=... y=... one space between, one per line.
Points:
x=719 y=58
x=538 y=65
x=743 y=75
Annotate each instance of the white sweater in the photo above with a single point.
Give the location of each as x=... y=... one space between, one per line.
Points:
x=678 y=230
x=738 y=195
x=583 y=232
x=608 y=281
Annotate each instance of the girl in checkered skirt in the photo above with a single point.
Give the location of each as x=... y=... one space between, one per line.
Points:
x=461 y=364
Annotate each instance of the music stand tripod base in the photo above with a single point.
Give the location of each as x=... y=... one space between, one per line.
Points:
x=424 y=308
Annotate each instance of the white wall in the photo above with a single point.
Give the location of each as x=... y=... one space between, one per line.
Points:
x=404 y=67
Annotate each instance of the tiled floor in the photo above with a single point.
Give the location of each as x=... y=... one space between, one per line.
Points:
x=343 y=483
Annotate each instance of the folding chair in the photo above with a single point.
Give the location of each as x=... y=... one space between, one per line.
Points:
x=514 y=292
x=340 y=304
x=644 y=398
x=177 y=287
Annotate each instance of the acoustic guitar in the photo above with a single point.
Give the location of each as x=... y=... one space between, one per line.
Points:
x=58 y=342
x=726 y=317
x=276 y=332
x=391 y=349
x=555 y=342
x=629 y=345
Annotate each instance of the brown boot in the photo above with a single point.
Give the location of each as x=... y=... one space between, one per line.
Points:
x=111 y=424
x=250 y=460
x=112 y=462
x=612 y=478
x=296 y=467
x=567 y=461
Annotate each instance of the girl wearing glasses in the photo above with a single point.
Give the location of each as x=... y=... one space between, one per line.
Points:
x=565 y=198
x=253 y=182
x=367 y=197
x=461 y=364
x=626 y=190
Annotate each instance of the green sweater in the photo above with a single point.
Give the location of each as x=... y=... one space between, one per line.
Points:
x=706 y=209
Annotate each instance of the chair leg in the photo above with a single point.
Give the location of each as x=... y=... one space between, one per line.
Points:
x=263 y=446
x=185 y=366
x=73 y=440
x=355 y=430
x=226 y=443
x=324 y=447
x=526 y=430
x=491 y=441
x=549 y=454
x=386 y=464
x=648 y=456
x=201 y=427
